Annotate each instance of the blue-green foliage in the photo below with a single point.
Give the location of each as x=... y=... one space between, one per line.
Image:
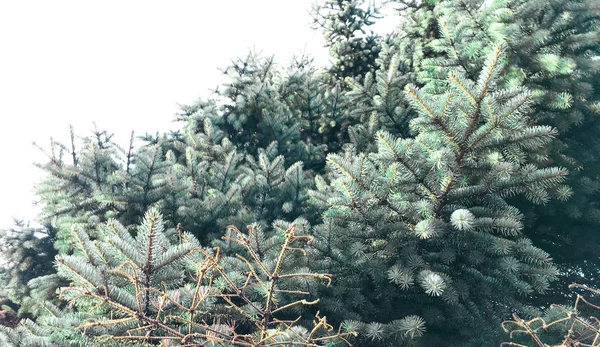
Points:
x=427 y=169
x=427 y=218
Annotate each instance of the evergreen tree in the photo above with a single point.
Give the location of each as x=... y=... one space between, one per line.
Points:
x=344 y=24
x=423 y=223
x=551 y=49
x=410 y=167
x=77 y=183
x=197 y=176
x=162 y=286
x=27 y=271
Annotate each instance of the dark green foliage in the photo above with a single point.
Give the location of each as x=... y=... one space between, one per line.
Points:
x=296 y=107
x=27 y=265
x=344 y=23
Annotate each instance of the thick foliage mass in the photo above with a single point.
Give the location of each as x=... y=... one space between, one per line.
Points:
x=438 y=177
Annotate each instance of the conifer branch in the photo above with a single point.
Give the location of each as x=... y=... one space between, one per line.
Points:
x=160 y=311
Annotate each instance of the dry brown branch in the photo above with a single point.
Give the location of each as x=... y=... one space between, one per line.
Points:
x=160 y=313
x=580 y=331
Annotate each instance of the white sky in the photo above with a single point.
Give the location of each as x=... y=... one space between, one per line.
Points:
x=123 y=64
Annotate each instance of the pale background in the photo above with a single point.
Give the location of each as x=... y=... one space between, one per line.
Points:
x=125 y=65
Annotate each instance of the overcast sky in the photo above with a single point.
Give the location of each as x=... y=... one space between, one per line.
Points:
x=122 y=64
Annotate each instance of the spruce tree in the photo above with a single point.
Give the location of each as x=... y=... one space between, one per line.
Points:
x=409 y=167
x=215 y=169
x=197 y=176
x=344 y=23
x=27 y=271
x=162 y=286
x=424 y=223
x=552 y=49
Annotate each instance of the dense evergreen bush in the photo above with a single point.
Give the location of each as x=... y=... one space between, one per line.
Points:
x=427 y=185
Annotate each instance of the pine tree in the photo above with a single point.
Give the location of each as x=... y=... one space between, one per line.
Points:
x=162 y=286
x=205 y=175
x=410 y=167
x=77 y=184
x=344 y=24
x=197 y=176
x=27 y=254
x=425 y=223
x=551 y=49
